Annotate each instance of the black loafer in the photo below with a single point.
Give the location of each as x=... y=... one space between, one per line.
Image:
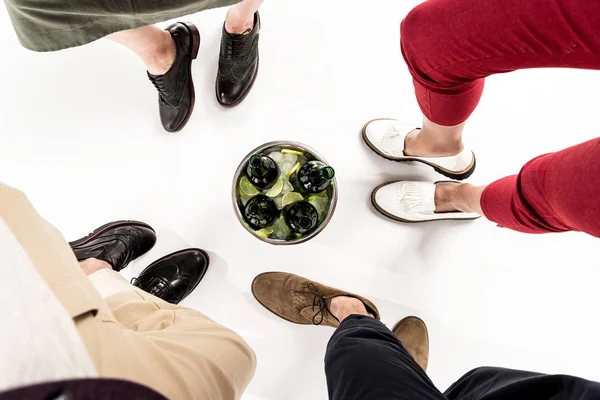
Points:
x=174 y=277
x=176 y=95
x=238 y=65
x=117 y=243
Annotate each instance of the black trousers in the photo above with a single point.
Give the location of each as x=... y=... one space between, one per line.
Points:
x=365 y=361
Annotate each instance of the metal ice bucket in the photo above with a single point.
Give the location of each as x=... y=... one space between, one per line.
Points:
x=274 y=146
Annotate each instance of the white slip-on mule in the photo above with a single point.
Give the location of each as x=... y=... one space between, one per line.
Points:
x=385 y=136
x=408 y=201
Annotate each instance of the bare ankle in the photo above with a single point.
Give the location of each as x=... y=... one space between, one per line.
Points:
x=435 y=140
x=238 y=21
x=343 y=306
x=422 y=143
x=92 y=265
x=446 y=194
x=463 y=197
x=162 y=57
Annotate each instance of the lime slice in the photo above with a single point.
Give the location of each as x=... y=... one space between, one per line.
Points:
x=247 y=188
x=265 y=232
x=290 y=151
x=276 y=188
x=290 y=198
x=294 y=169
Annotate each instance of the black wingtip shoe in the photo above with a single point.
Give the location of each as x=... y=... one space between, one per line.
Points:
x=117 y=243
x=173 y=277
x=238 y=65
x=176 y=96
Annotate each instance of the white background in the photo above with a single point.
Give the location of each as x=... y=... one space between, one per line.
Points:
x=80 y=134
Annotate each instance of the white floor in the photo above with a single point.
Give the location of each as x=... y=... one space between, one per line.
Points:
x=79 y=133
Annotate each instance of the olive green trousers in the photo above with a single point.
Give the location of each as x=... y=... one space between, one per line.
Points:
x=56 y=25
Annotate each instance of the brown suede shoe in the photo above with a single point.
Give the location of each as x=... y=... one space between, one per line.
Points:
x=300 y=300
x=412 y=332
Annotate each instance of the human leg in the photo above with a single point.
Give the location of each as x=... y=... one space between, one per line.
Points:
x=364 y=359
x=155 y=47
x=240 y=17
x=148 y=308
x=238 y=58
x=492 y=383
x=167 y=55
x=555 y=192
x=450 y=61
x=177 y=351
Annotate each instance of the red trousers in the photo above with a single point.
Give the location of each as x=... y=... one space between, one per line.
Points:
x=450 y=46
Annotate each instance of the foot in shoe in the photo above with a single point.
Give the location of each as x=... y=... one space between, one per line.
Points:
x=419 y=143
x=389 y=138
x=176 y=95
x=407 y=201
x=343 y=306
x=446 y=195
x=414 y=336
x=117 y=243
x=238 y=64
x=301 y=301
x=458 y=197
x=173 y=277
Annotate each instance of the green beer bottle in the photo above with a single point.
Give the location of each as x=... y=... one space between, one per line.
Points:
x=314 y=177
x=301 y=217
x=262 y=171
x=260 y=212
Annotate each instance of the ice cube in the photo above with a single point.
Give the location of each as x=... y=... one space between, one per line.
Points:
x=318 y=205
x=290 y=158
x=286 y=166
x=287 y=186
x=277 y=156
x=278 y=202
x=281 y=230
x=321 y=203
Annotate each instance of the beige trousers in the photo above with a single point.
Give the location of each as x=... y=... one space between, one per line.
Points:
x=131 y=334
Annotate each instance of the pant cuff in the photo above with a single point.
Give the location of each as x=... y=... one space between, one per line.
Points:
x=108 y=282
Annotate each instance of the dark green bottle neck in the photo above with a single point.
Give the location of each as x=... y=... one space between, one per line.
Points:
x=321 y=174
x=259 y=165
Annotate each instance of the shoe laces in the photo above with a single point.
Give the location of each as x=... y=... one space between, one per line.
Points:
x=235 y=45
x=318 y=303
x=159 y=84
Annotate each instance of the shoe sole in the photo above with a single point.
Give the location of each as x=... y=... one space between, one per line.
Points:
x=407 y=221
x=450 y=174
x=245 y=94
x=195 y=48
x=107 y=227
x=204 y=253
